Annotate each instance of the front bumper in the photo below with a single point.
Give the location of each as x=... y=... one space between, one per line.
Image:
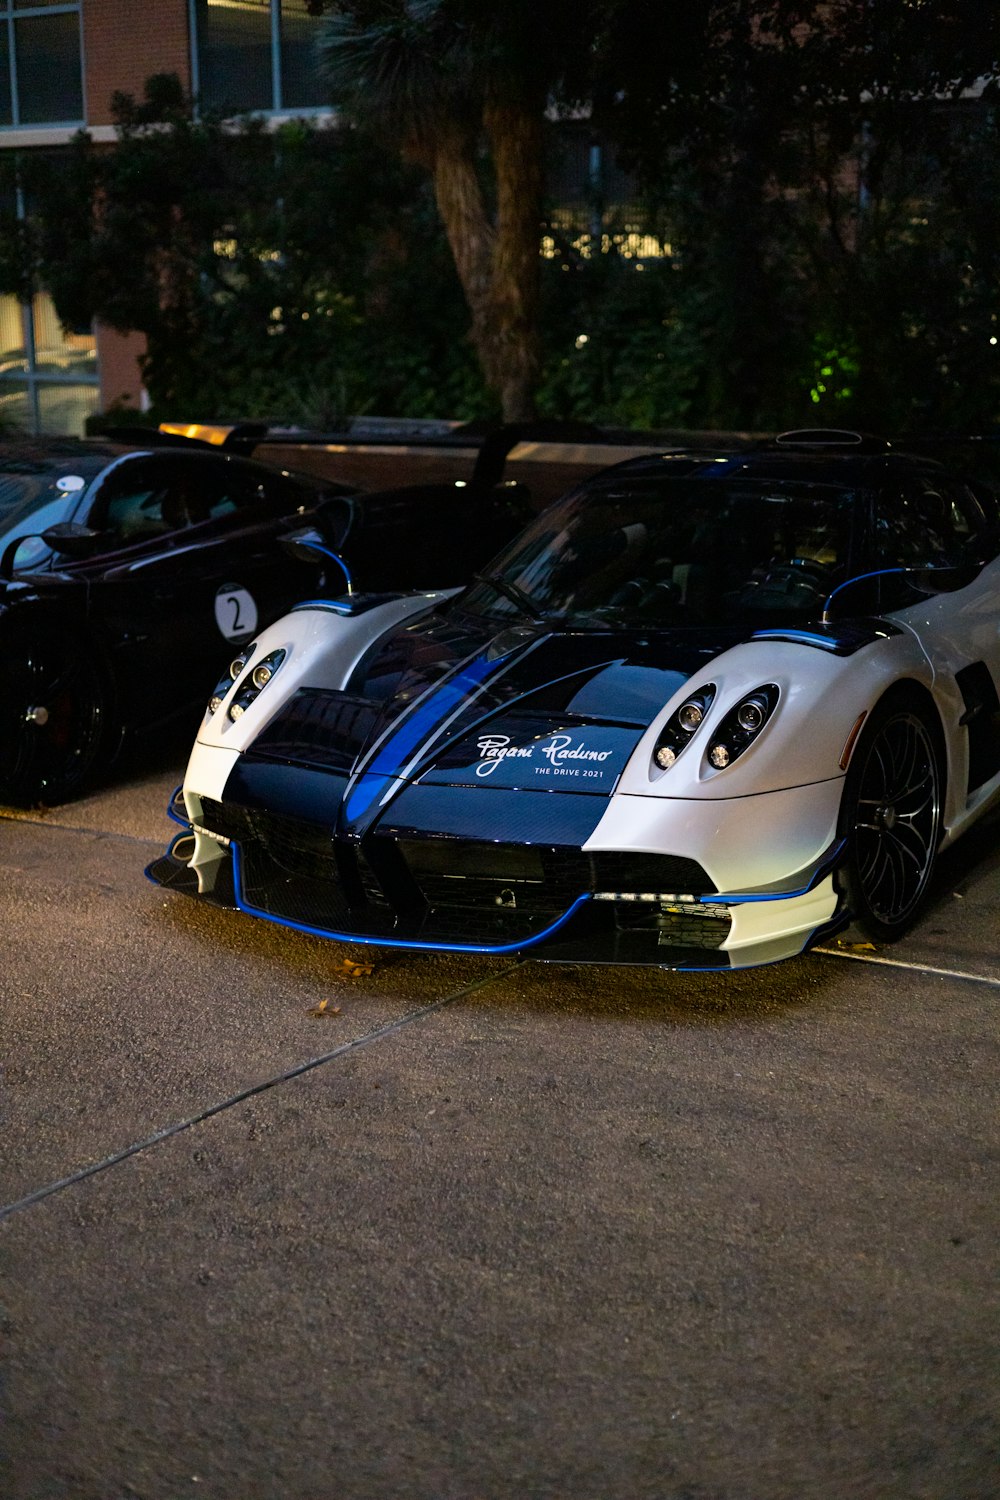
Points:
x=555 y=903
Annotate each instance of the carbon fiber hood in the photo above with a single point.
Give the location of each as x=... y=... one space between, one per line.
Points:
x=446 y=703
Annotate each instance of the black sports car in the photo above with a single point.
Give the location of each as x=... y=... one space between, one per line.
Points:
x=129 y=573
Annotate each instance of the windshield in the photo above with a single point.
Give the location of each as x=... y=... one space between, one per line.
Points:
x=676 y=552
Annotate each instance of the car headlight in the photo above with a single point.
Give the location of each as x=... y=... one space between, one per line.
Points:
x=741 y=725
x=682 y=726
x=256 y=683
x=222 y=687
x=252 y=684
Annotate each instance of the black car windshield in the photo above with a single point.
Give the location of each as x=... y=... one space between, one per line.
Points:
x=26 y=487
x=676 y=552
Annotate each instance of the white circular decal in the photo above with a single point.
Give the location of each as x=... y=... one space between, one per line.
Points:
x=235 y=612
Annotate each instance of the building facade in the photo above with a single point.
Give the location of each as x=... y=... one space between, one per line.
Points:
x=61 y=62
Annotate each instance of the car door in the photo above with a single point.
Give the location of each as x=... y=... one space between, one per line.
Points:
x=185 y=570
x=939 y=524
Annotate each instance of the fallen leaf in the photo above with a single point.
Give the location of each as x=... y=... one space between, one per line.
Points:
x=357 y=969
x=859 y=947
x=324 y=1008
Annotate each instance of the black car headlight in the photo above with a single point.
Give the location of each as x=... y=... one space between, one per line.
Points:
x=682 y=726
x=741 y=726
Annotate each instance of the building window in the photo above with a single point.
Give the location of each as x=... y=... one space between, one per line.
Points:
x=256 y=55
x=41 y=80
x=48 y=376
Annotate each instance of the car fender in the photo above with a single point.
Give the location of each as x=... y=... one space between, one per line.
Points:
x=322 y=644
x=821 y=697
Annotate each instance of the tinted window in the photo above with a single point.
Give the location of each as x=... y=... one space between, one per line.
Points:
x=679 y=552
x=926 y=522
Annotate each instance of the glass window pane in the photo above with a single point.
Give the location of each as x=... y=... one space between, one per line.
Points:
x=234 y=54
x=13 y=355
x=301 y=85
x=55 y=347
x=49 y=86
x=6 y=117
x=15 y=407
x=34 y=4
x=64 y=409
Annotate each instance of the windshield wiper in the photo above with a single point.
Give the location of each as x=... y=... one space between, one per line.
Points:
x=501 y=585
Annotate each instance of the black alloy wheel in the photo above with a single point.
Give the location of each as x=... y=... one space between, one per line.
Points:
x=891 y=817
x=53 y=719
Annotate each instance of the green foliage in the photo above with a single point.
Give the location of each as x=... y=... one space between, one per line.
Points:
x=826 y=181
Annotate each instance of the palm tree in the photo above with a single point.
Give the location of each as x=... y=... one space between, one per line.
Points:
x=444 y=79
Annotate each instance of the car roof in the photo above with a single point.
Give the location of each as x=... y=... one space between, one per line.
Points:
x=849 y=470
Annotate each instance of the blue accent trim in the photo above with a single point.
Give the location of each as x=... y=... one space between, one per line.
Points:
x=827 y=863
x=384 y=942
x=388 y=760
x=805 y=637
x=332 y=606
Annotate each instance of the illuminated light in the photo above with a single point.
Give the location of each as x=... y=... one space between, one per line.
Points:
x=993 y=339
x=719 y=756
x=581 y=339
x=665 y=757
x=689 y=716
x=237 y=711
x=214 y=704
x=750 y=715
x=261 y=676
x=460 y=484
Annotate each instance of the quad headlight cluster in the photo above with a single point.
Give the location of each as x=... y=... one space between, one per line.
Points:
x=733 y=734
x=254 y=682
x=682 y=726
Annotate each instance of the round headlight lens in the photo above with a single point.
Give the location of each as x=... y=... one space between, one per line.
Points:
x=236 y=666
x=236 y=711
x=719 y=756
x=665 y=756
x=261 y=675
x=214 y=704
x=751 y=714
x=689 y=716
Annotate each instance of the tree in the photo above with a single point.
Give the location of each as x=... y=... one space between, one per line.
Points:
x=273 y=274
x=828 y=169
x=459 y=87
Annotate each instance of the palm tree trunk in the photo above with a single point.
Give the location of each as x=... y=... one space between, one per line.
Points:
x=515 y=133
x=498 y=267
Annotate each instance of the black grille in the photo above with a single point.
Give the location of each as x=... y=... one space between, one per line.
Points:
x=450 y=890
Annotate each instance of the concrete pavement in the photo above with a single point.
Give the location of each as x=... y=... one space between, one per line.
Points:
x=481 y=1230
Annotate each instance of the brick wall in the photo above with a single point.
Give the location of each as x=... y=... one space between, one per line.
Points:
x=124 y=42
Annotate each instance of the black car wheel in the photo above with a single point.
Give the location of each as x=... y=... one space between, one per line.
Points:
x=53 y=719
x=891 y=817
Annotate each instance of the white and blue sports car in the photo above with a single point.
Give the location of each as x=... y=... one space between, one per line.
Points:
x=702 y=713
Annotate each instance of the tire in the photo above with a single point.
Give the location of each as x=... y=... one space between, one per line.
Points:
x=54 y=719
x=891 y=817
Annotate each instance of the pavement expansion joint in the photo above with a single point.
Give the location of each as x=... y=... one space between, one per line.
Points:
x=914 y=968
x=381 y=1032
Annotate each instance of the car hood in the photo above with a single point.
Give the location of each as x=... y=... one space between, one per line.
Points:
x=529 y=707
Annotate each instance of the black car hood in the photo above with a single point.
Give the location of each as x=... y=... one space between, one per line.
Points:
x=453 y=704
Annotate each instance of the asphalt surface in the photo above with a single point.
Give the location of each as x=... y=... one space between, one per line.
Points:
x=469 y=1229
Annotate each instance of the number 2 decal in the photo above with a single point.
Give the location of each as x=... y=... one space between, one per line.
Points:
x=235 y=611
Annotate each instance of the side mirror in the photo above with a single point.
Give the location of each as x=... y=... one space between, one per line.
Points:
x=71 y=539
x=310 y=546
